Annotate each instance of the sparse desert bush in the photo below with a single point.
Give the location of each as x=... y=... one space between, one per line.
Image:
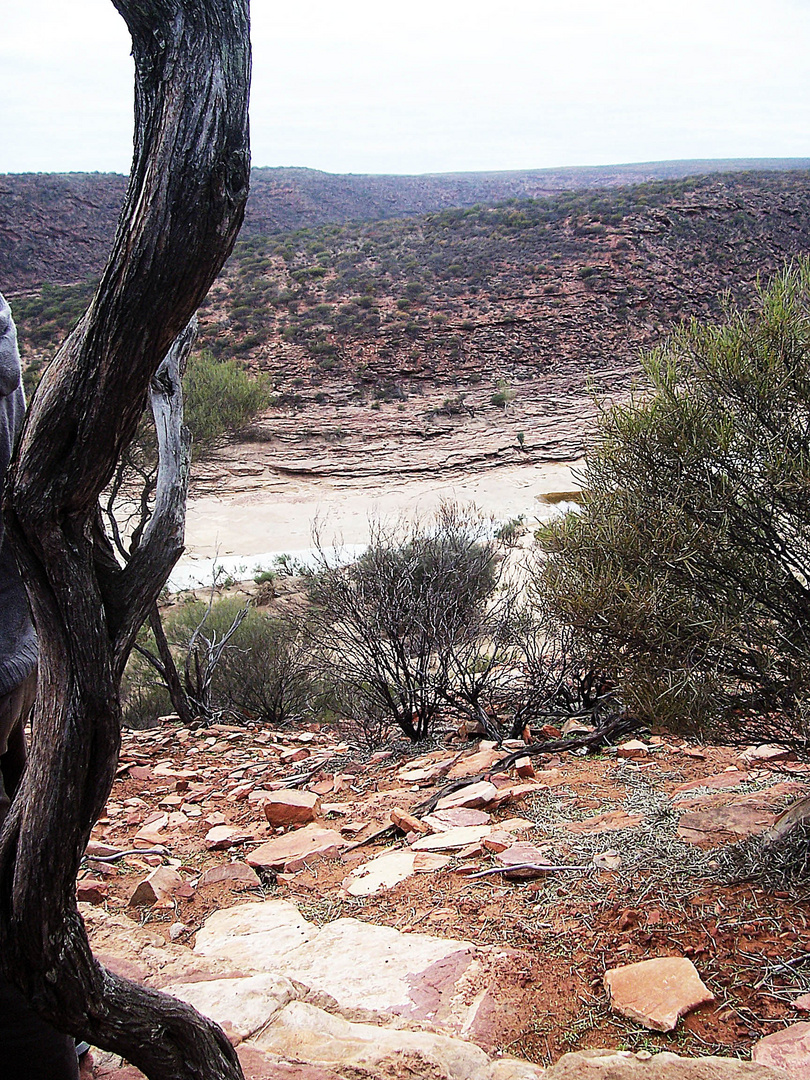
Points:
x=388 y=628
x=687 y=574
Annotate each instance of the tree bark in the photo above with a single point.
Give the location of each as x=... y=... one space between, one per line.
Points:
x=182 y=212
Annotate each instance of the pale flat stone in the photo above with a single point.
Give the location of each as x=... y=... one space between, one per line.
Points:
x=765 y=753
x=442 y=820
x=788 y=1049
x=575 y=727
x=380 y=874
x=301 y=1031
x=657 y=992
x=366 y=966
x=517 y=791
x=290 y=807
x=515 y=824
x=428 y=862
x=453 y=839
x=242 y=1006
x=221 y=837
x=474 y=764
x=360 y=965
x=254 y=937
x=299 y=845
x=471 y=797
x=625 y=1065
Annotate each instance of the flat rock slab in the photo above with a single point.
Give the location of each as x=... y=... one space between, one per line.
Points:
x=519 y=855
x=788 y=1049
x=765 y=753
x=607 y=822
x=474 y=764
x=237 y=875
x=241 y=1006
x=625 y=1065
x=376 y=971
x=381 y=873
x=302 y=1031
x=471 y=797
x=453 y=839
x=442 y=820
x=294 y=848
x=254 y=937
x=718 y=780
x=723 y=824
x=658 y=992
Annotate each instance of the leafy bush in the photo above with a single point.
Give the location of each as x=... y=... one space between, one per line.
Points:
x=235 y=662
x=687 y=574
x=219 y=397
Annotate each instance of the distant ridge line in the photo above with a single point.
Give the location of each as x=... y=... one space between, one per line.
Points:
x=58 y=227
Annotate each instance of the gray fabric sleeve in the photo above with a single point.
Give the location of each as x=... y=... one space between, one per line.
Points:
x=9 y=353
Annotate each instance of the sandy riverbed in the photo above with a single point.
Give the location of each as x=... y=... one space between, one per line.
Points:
x=245 y=531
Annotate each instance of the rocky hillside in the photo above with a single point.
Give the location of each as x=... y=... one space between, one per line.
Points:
x=475 y=335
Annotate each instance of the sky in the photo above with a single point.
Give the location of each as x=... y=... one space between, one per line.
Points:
x=438 y=85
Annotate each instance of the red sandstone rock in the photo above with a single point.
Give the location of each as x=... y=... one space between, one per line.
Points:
x=290 y=807
x=407 y=823
x=289 y=850
x=234 y=874
x=471 y=797
x=788 y=1049
x=160 y=885
x=91 y=891
x=658 y=992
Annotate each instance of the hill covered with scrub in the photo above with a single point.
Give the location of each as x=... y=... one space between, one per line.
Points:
x=497 y=319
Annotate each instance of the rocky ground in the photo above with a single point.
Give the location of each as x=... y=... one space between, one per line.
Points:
x=299 y=890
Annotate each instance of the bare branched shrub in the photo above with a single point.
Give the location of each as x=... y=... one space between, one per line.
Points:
x=390 y=629
x=233 y=661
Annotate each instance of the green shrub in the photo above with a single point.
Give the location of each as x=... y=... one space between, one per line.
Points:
x=687 y=574
x=219 y=397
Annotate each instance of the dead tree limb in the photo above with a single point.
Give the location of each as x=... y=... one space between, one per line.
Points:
x=183 y=209
x=605 y=734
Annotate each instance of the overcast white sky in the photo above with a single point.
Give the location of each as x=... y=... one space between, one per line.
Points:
x=438 y=85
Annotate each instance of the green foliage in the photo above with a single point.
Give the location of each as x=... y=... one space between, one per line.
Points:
x=261 y=675
x=503 y=395
x=219 y=397
x=687 y=574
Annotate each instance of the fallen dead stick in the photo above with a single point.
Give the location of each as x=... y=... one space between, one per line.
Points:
x=608 y=733
x=384 y=831
x=130 y=851
x=542 y=867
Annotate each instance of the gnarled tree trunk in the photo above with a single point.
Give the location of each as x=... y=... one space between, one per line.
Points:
x=183 y=210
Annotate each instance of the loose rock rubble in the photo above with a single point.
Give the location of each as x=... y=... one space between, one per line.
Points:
x=470 y=935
